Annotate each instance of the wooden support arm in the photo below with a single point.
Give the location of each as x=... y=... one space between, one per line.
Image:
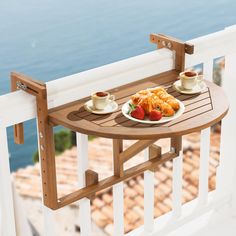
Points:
x=110 y=181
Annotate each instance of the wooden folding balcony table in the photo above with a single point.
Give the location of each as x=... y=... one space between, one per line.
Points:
x=201 y=111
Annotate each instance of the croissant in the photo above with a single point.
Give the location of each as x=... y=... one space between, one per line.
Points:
x=146 y=104
x=166 y=97
x=167 y=110
x=173 y=103
x=156 y=89
x=142 y=94
x=156 y=98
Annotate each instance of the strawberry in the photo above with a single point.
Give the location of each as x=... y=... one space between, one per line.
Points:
x=137 y=111
x=155 y=115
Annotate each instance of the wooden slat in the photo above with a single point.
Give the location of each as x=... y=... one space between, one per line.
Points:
x=191 y=115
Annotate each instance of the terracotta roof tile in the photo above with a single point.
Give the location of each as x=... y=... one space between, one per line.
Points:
x=27 y=180
x=99 y=218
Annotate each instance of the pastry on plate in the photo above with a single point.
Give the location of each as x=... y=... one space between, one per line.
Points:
x=156 y=98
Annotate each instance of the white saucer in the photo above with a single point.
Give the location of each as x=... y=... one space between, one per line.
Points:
x=197 y=89
x=111 y=107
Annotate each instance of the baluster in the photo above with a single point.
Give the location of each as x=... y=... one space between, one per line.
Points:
x=148 y=196
x=177 y=177
x=177 y=185
x=205 y=146
x=204 y=166
x=49 y=222
x=84 y=204
x=118 y=194
x=6 y=197
x=226 y=170
x=118 y=208
x=208 y=70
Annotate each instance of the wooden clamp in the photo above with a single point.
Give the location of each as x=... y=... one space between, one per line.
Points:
x=36 y=88
x=45 y=132
x=180 y=48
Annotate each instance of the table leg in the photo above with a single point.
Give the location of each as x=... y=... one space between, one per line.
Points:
x=117 y=163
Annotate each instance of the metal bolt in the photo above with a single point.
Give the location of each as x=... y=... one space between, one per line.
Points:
x=40 y=135
x=169 y=45
x=42 y=147
x=20 y=85
x=163 y=43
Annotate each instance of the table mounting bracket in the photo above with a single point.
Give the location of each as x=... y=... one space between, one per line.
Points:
x=180 y=48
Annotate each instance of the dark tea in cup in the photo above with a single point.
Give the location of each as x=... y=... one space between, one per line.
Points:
x=190 y=73
x=101 y=94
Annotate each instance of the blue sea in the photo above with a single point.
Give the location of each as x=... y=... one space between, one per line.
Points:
x=51 y=39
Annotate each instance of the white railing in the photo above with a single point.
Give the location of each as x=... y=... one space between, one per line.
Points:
x=77 y=86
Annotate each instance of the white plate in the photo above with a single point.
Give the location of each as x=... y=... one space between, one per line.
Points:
x=126 y=108
x=197 y=89
x=111 y=107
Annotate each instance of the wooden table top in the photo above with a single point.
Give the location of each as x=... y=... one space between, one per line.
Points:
x=201 y=111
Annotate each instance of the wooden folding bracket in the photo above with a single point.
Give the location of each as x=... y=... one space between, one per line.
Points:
x=45 y=132
x=180 y=48
x=34 y=87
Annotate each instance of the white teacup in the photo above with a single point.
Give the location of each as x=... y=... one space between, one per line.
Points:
x=101 y=100
x=189 y=79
